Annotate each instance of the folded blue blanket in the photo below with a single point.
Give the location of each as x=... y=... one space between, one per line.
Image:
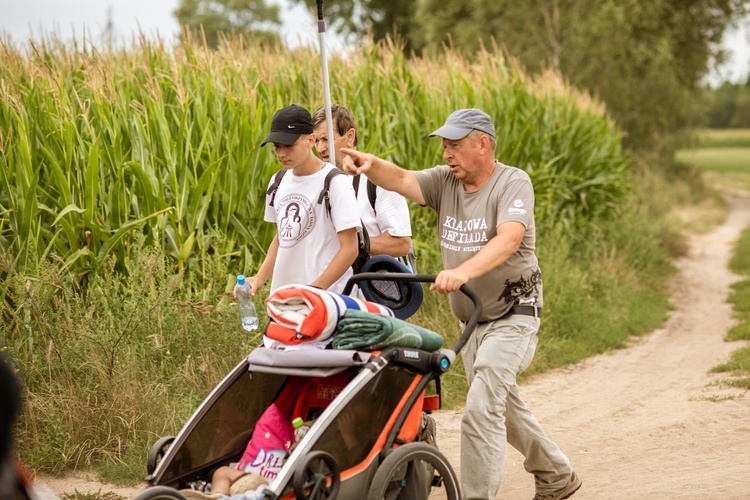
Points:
x=366 y=331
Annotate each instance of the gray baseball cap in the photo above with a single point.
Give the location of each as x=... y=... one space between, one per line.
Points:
x=461 y=122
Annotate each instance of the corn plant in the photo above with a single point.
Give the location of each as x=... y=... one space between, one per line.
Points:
x=97 y=144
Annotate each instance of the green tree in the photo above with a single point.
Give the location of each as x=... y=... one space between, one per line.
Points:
x=645 y=60
x=253 y=18
x=379 y=19
x=741 y=118
x=722 y=105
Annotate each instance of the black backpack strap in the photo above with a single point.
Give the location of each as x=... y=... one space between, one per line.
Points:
x=371 y=193
x=371 y=187
x=324 y=195
x=355 y=185
x=363 y=239
x=275 y=186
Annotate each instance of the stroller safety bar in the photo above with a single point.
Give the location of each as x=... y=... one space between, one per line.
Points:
x=305 y=362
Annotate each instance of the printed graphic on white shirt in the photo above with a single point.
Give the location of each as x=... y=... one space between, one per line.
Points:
x=296 y=219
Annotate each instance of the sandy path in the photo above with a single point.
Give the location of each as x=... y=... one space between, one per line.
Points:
x=640 y=422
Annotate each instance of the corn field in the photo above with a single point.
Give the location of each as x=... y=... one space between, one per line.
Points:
x=96 y=146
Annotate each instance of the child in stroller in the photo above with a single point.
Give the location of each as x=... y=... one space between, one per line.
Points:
x=273 y=427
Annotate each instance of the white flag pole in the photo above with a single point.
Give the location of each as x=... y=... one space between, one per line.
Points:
x=326 y=86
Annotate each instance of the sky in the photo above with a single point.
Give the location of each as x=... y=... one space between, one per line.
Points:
x=21 y=19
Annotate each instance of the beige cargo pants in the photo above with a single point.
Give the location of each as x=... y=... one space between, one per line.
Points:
x=495 y=414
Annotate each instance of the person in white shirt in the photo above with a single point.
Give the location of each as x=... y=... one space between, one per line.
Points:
x=314 y=245
x=385 y=214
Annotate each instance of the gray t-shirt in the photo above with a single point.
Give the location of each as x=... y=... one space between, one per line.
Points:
x=467 y=221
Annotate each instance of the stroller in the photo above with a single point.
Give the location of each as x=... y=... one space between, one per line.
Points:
x=368 y=438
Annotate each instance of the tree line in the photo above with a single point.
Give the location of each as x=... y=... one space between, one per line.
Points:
x=728 y=106
x=645 y=60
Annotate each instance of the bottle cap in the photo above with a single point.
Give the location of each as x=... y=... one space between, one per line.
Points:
x=297 y=422
x=240 y=279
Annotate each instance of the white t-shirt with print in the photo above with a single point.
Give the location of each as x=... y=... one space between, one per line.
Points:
x=308 y=238
x=391 y=213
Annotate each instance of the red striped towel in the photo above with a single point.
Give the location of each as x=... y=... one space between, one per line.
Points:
x=302 y=313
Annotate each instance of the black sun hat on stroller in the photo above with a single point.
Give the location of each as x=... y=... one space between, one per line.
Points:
x=403 y=298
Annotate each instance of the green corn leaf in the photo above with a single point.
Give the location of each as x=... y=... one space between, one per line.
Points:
x=68 y=209
x=115 y=239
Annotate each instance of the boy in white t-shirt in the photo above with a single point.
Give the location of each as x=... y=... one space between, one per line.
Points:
x=312 y=246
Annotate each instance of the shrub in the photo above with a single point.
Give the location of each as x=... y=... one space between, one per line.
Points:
x=111 y=368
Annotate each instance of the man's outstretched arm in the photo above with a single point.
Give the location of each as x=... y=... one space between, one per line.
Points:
x=383 y=173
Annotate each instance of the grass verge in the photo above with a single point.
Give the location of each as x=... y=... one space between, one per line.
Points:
x=108 y=370
x=724 y=160
x=724 y=138
x=724 y=156
x=92 y=496
x=738 y=366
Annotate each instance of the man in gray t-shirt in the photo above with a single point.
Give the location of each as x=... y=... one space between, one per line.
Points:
x=468 y=220
x=487 y=237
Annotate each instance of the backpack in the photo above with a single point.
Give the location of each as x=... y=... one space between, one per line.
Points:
x=410 y=259
x=363 y=239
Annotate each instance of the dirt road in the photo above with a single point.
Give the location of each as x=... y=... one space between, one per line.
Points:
x=645 y=422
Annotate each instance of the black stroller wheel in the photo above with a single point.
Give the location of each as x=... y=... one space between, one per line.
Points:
x=159 y=493
x=411 y=471
x=311 y=477
x=157 y=453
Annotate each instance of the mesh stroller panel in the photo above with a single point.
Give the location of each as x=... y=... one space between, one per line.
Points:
x=224 y=430
x=351 y=437
x=391 y=293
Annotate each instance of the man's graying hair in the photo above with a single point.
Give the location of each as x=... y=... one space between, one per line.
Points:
x=342 y=120
x=476 y=134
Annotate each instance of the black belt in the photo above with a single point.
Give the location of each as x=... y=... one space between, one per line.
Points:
x=534 y=311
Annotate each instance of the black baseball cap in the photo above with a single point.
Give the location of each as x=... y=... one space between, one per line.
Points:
x=288 y=124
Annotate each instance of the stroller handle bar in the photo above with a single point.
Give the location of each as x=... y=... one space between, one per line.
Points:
x=425 y=278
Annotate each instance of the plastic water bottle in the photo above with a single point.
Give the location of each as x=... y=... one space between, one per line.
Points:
x=247 y=309
x=300 y=429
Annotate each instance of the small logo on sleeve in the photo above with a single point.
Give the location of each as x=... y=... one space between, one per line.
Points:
x=517 y=208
